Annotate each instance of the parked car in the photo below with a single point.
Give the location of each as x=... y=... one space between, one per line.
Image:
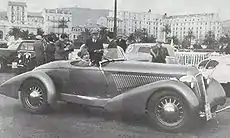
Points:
x=171 y=95
x=10 y=54
x=218 y=68
x=141 y=51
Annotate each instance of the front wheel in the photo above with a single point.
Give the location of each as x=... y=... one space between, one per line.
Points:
x=168 y=111
x=34 y=96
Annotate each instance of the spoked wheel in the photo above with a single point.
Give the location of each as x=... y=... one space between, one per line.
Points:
x=168 y=111
x=34 y=96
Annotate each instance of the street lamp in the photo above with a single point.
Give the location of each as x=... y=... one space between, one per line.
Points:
x=115 y=19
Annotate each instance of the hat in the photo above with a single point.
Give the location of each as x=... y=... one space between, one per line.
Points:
x=38 y=37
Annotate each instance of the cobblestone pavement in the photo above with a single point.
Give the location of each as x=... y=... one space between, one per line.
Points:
x=71 y=121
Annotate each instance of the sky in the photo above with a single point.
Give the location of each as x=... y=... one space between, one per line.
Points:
x=172 y=7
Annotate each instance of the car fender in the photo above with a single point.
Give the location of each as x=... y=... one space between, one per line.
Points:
x=11 y=88
x=135 y=100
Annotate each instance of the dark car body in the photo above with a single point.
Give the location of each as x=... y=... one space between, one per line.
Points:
x=9 y=54
x=118 y=86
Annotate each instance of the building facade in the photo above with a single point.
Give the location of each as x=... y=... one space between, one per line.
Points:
x=57 y=21
x=180 y=25
x=17 y=16
x=129 y=22
x=199 y=24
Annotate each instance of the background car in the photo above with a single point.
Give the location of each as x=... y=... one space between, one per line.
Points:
x=171 y=96
x=218 y=68
x=10 y=54
x=141 y=51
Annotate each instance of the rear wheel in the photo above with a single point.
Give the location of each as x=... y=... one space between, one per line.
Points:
x=34 y=96
x=168 y=111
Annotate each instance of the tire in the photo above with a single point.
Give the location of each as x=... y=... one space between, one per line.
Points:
x=31 y=102
x=169 y=116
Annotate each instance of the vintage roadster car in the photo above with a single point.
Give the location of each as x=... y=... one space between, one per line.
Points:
x=172 y=96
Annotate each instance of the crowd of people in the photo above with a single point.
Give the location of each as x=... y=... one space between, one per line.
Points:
x=47 y=49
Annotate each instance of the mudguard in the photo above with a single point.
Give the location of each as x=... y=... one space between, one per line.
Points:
x=12 y=87
x=135 y=100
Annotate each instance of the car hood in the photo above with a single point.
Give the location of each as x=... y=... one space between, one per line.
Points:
x=6 y=52
x=152 y=68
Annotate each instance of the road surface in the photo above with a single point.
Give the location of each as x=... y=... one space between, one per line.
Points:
x=71 y=121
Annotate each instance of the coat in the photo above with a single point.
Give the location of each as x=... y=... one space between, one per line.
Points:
x=159 y=54
x=60 y=53
x=91 y=46
x=39 y=49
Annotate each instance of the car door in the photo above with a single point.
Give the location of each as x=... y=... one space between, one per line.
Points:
x=87 y=81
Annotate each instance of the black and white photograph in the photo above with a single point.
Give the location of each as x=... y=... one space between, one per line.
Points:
x=114 y=69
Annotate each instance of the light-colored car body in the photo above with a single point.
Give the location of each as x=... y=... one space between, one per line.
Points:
x=141 y=51
x=216 y=67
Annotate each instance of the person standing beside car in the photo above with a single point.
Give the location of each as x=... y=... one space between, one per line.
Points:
x=39 y=50
x=159 y=53
x=60 y=48
x=50 y=49
x=95 y=48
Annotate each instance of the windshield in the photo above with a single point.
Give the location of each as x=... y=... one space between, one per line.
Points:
x=13 y=45
x=114 y=53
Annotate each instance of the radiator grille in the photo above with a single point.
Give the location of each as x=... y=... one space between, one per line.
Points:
x=128 y=81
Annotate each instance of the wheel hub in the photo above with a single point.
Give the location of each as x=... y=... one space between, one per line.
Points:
x=35 y=94
x=169 y=111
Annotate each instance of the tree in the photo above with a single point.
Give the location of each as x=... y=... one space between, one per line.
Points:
x=63 y=25
x=225 y=39
x=166 y=30
x=189 y=37
x=24 y=34
x=175 y=40
x=210 y=40
x=40 y=32
x=16 y=32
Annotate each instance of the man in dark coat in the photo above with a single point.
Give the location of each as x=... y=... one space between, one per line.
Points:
x=39 y=50
x=159 y=53
x=61 y=52
x=95 y=48
x=112 y=42
x=50 y=49
x=122 y=43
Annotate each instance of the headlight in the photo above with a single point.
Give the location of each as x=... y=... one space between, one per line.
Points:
x=189 y=80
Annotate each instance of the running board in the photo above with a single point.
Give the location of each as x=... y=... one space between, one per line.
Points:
x=85 y=100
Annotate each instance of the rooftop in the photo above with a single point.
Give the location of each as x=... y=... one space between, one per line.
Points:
x=191 y=15
x=10 y=3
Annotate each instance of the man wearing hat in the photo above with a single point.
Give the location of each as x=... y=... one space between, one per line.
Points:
x=159 y=52
x=39 y=50
x=95 y=47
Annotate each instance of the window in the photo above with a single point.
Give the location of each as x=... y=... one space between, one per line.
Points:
x=144 y=49
x=27 y=46
x=212 y=64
